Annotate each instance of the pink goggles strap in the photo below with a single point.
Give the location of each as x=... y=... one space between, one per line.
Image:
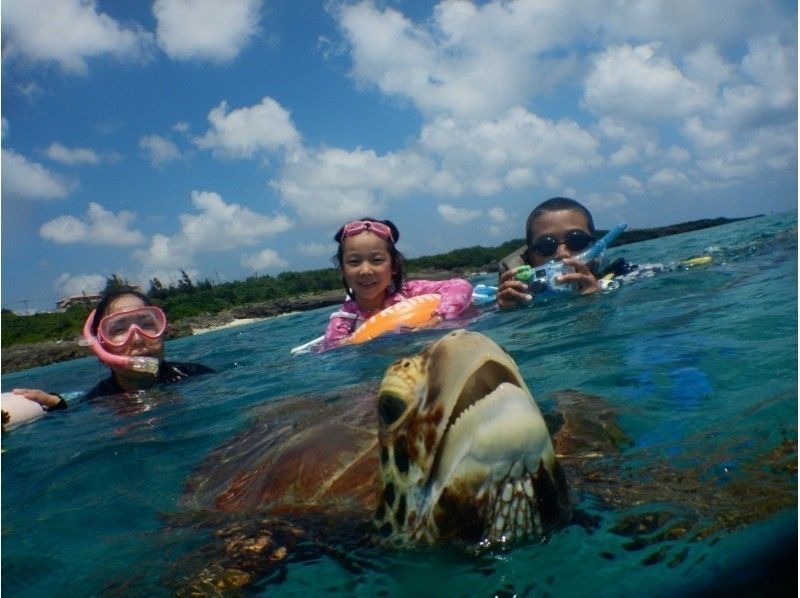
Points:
x=359 y=226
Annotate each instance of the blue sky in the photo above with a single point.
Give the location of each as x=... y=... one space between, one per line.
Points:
x=232 y=138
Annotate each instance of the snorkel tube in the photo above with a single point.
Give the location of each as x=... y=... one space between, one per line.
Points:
x=137 y=363
x=599 y=247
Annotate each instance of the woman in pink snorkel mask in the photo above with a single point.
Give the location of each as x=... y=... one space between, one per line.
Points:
x=126 y=332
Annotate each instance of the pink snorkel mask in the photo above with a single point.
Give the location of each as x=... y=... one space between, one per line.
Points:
x=117 y=329
x=359 y=226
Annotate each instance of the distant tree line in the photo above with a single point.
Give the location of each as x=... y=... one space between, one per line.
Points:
x=42 y=326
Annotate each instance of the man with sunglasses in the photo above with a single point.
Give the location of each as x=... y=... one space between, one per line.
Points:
x=557 y=229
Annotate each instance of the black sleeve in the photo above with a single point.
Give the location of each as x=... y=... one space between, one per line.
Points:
x=103 y=388
x=171 y=372
x=194 y=369
x=619 y=267
x=62 y=404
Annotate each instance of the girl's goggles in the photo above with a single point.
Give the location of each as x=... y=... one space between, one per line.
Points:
x=575 y=240
x=359 y=226
x=116 y=329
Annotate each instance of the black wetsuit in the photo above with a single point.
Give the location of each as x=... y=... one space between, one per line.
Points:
x=168 y=373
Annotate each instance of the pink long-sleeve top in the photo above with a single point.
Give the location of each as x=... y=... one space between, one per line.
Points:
x=456 y=296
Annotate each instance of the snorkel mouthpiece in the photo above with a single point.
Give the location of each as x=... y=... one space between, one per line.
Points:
x=143 y=364
x=137 y=363
x=543 y=280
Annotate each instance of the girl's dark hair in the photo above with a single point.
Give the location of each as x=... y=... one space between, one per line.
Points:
x=109 y=296
x=554 y=204
x=398 y=260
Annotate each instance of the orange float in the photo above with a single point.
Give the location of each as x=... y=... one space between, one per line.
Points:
x=410 y=313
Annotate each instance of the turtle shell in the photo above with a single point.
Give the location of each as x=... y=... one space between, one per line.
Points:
x=299 y=455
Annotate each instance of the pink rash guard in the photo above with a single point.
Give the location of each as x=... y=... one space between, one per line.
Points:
x=456 y=297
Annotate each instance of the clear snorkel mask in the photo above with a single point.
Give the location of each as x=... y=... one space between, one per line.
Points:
x=543 y=280
x=117 y=329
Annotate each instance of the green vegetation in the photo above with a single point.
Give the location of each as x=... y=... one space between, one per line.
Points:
x=188 y=298
x=41 y=327
x=468 y=258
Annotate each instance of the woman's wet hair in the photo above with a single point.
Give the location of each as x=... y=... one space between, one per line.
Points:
x=398 y=260
x=554 y=204
x=109 y=296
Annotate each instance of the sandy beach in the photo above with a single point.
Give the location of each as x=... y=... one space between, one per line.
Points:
x=239 y=322
x=232 y=324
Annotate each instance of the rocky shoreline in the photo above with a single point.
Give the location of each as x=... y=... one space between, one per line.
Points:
x=24 y=356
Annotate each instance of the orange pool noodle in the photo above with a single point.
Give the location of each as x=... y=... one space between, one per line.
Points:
x=410 y=313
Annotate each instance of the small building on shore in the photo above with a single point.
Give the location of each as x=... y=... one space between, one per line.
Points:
x=88 y=299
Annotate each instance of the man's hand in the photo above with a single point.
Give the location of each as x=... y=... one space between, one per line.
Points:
x=583 y=278
x=38 y=396
x=512 y=293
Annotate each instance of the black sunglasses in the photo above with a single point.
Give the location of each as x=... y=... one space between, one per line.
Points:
x=575 y=240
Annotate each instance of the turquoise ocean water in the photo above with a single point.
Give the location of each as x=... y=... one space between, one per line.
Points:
x=700 y=366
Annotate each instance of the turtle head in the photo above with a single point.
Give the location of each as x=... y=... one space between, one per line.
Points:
x=465 y=453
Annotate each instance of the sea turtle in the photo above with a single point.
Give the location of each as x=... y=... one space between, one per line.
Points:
x=451 y=449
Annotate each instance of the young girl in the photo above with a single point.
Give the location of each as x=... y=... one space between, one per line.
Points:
x=373 y=273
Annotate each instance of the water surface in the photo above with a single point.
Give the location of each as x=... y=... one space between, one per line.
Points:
x=700 y=366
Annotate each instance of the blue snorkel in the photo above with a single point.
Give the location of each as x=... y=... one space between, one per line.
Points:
x=594 y=251
x=543 y=280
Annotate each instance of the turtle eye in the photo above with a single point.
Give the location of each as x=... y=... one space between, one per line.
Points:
x=390 y=408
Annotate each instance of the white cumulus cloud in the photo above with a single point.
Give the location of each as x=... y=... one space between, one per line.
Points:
x=205 y=29
x=604 y=201
x=315 y=249
x=263 y=261
x=242 y=132
x=517 y=148
x=669 y=177
x=99 y=227
x=224 y=226
x=642 y=75
x=501 y=225
x=67 y=32
x=329 y=186
x=466 y=61
x=159 y=150
x=767 y=92
x=69 y=285
x=71 y=156
x=641 y=82
x=30 y=180
x=217 y=226
x=497 y=215
x=703 y=136
x=458 y=216
x=631 y=183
